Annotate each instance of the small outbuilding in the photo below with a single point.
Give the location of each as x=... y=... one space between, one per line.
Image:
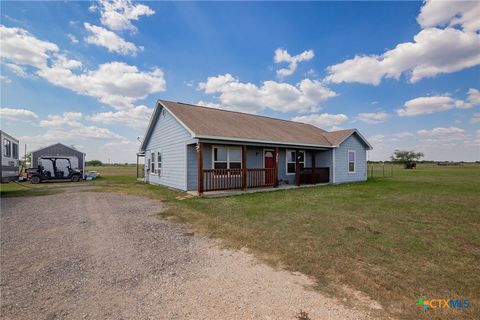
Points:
x=77 y=158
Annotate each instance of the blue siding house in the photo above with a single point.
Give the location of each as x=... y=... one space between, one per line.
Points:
x=195 y=148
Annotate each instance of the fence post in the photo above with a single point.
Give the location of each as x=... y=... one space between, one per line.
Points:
x=391 y=171
x=244 y=167
x=277 y=150
x=384 y=169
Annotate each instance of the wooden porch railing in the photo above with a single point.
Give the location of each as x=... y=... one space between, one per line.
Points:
x=261 y=177
x=229 y=179
x=309 y=176
x=222 y=179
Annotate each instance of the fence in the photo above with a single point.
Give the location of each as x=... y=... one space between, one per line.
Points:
x=228 y=179
x=380 y=170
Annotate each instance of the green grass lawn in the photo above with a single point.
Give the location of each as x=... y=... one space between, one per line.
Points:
x=395 y=239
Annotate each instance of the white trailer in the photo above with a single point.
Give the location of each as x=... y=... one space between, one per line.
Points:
x=9 y=157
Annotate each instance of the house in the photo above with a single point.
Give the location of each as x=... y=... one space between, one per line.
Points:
x=202 y=149
x=77 y=158
x=9 y=158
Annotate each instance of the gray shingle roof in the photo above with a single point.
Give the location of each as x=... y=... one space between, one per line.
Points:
x=220 y=124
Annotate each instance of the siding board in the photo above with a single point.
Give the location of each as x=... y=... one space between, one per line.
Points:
x=341 y=161
x=168 y=137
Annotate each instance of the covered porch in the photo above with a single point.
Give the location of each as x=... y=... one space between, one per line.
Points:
x=222 y=167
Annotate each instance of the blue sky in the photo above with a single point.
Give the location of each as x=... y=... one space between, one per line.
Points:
x=406 y=74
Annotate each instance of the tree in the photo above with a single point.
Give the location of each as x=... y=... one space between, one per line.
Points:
x=407 y=158
x=94 y=163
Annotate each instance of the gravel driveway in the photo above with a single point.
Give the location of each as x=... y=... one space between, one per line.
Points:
x=87 y=255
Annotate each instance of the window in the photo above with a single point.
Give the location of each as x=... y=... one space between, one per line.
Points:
x=291 y=156
x=7 y=150
x=351 y=161
x=15 y=151
x=159 y=163
x=153 y=163
x=227 y=157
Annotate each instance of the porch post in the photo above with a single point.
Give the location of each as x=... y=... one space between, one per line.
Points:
x=297 y=168
x=314 y=177
x=244 y=167
x=276 y=165
x=137 y=166
x=200 y=167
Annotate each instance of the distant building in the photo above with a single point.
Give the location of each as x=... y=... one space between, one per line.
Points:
x=9 y=157
x=77 y=158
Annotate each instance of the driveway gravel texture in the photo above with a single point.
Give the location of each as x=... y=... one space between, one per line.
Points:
x=90 y=255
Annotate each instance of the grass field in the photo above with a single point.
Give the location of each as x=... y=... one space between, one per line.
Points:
x=395 y=239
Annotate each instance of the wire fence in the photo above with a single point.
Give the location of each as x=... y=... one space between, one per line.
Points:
x=380 y=170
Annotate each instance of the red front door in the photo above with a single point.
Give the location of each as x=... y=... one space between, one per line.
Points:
x=269 y=163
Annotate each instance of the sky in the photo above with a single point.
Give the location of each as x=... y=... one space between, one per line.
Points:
x=88 y=74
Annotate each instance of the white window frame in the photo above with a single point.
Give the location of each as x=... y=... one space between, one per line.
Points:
x=228 y=155
x=159 y=163
x=152 y=163
x=354 y=161
x=7 y=152
x=287 y=162
x=15 y=154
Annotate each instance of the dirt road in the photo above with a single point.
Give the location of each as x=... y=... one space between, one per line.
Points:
x=87 y=255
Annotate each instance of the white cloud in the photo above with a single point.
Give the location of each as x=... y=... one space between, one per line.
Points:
x=5 y=79
x=118 y=14
x=473 y=99
x=20 y=47
x=322 y=120
x=443 y=134
x=104 y=38
x=475 y=118
x=61 y=61
x=376 y=138
x=69 y=125
x=136 y=117
x=433 y=51
x=18 y=70
x=68 y=119
x=281 y=97
x=209 y=104
x=116 y=83
x=433 y=104
x=373 y=117
x=18 y=114
x=450 y=13
x=72 y=38
x=282 y=56
x=426 y=105
x=403 y=134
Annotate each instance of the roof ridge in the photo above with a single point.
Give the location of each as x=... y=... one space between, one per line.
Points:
x=245 y=113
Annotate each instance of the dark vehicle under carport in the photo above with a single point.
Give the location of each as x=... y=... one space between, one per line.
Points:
x=40 y=173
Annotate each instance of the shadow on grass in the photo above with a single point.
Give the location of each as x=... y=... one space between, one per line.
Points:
x=14 y=189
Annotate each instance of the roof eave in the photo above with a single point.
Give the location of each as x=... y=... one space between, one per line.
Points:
x=153 y=121
x=239 y=139
x=361 y=137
